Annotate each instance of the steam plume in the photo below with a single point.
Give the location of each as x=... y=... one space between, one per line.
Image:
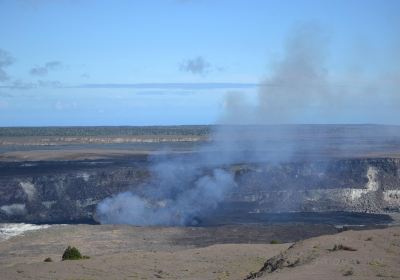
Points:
x=300 y=90
x=178 y=193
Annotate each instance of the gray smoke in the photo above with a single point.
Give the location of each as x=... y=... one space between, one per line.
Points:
x=302 y=90
x=299 y=90
x=178 y=193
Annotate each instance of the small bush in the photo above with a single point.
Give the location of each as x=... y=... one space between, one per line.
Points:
x=71 y=253
x=48 y=260
x=274 y=242
x=376 y=263
x=348 y=272
x=342 y=247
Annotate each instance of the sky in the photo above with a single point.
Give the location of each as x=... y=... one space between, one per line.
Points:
x=166 y=62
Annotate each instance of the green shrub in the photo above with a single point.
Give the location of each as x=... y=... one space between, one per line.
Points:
x=71 y=253
x=342 y=247
x=275 y=241
x=48 y=260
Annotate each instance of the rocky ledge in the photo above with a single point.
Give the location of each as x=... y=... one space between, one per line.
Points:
x=68 y=191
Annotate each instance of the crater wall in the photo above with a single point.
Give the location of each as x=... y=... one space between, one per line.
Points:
x=60 y=192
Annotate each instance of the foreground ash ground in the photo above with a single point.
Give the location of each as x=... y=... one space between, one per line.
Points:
x=313 y=186
x=126 y=252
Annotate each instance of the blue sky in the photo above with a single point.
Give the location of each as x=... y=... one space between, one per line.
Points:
x=86 y=62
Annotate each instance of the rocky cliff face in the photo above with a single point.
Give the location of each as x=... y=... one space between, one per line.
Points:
x=362 y=185
x=62 y=191
x=69 y=191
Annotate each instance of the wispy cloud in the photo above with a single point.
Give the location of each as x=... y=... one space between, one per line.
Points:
x=43 y=70
x=198 y=66
x=20 y=84
x=5 y=94
x=5 y=60
x=155 y=87
x=197 y=86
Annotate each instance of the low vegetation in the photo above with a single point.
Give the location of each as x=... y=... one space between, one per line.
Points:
x=376 y=263
x=72 y=253
x=197 y=130
x=341 y=247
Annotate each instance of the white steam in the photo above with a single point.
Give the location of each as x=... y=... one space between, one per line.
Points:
x=300 y=90
x=178 y=194
x=304 y=87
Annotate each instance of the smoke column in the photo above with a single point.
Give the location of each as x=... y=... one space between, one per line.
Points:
x=302 y=89
x=299 y=90
x=179 y=191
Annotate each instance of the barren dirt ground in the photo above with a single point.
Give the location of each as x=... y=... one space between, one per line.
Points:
x=124 y=252
x=370 y=254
